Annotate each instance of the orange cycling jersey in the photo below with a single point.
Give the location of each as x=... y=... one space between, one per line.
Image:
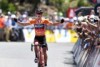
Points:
x=39 y=26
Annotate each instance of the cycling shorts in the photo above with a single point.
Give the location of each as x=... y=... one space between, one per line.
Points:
x=41 y=40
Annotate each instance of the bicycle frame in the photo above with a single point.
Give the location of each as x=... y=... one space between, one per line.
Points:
x=39 y=53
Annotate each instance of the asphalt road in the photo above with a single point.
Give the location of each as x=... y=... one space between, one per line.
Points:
x=18 y=54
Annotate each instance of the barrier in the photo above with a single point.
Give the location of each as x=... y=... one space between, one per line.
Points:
x=97 y=63
x=29 y=35
x=86 y=57
x=62 y=35
x=52 y=36
x=74 y=36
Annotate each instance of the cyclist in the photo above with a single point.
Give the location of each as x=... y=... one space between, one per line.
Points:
x=39 y=24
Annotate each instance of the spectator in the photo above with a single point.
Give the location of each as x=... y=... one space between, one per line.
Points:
x=2 y=26
x=24 y=19
x=8 y=28
x=14 y=34
x=69 y=24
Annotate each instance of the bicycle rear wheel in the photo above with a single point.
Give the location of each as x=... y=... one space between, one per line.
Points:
x=40 y=65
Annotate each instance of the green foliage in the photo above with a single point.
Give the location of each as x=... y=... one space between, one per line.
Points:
x=84 y=3
x=11 y=7
x=4 y=5
x=58 y=4
x=61 y=5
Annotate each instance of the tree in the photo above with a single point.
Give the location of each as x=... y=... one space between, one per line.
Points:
x=59 y=4
x=11 y=7
x=35 y=5
x=83 y=3
x=4 y=5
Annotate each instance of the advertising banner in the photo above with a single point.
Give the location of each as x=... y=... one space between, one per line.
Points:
x=29 y=35
x=52 y=36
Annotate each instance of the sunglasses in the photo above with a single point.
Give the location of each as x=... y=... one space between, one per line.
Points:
x=39 y=13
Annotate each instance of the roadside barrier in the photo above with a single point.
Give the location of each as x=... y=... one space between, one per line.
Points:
x=56 y=35
x=86 y=57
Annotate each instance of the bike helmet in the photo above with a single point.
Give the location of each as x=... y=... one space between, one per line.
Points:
x=39 y=11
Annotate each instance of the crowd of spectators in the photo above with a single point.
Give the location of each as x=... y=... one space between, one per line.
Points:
x=87 y=51
x=9 y=29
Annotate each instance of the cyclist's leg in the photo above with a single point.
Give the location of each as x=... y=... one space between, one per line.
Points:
x=45 y=48
x=40 y=55
x=41 y=58
x=45 y=55
x=36 y=49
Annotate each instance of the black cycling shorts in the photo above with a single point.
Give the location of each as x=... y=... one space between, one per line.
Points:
x=41 y=40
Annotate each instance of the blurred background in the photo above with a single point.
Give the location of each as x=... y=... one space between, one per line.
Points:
x=54 y=10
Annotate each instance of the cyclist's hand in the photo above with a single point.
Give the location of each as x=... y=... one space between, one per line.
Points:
x=62 y=21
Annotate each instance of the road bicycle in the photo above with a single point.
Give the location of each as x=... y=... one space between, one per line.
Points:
x=40 y=55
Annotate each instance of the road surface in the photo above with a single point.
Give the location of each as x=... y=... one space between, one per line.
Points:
x=18 y=54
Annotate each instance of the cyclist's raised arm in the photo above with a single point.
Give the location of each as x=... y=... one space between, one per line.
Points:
x=26 y=24
x=54 y=24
